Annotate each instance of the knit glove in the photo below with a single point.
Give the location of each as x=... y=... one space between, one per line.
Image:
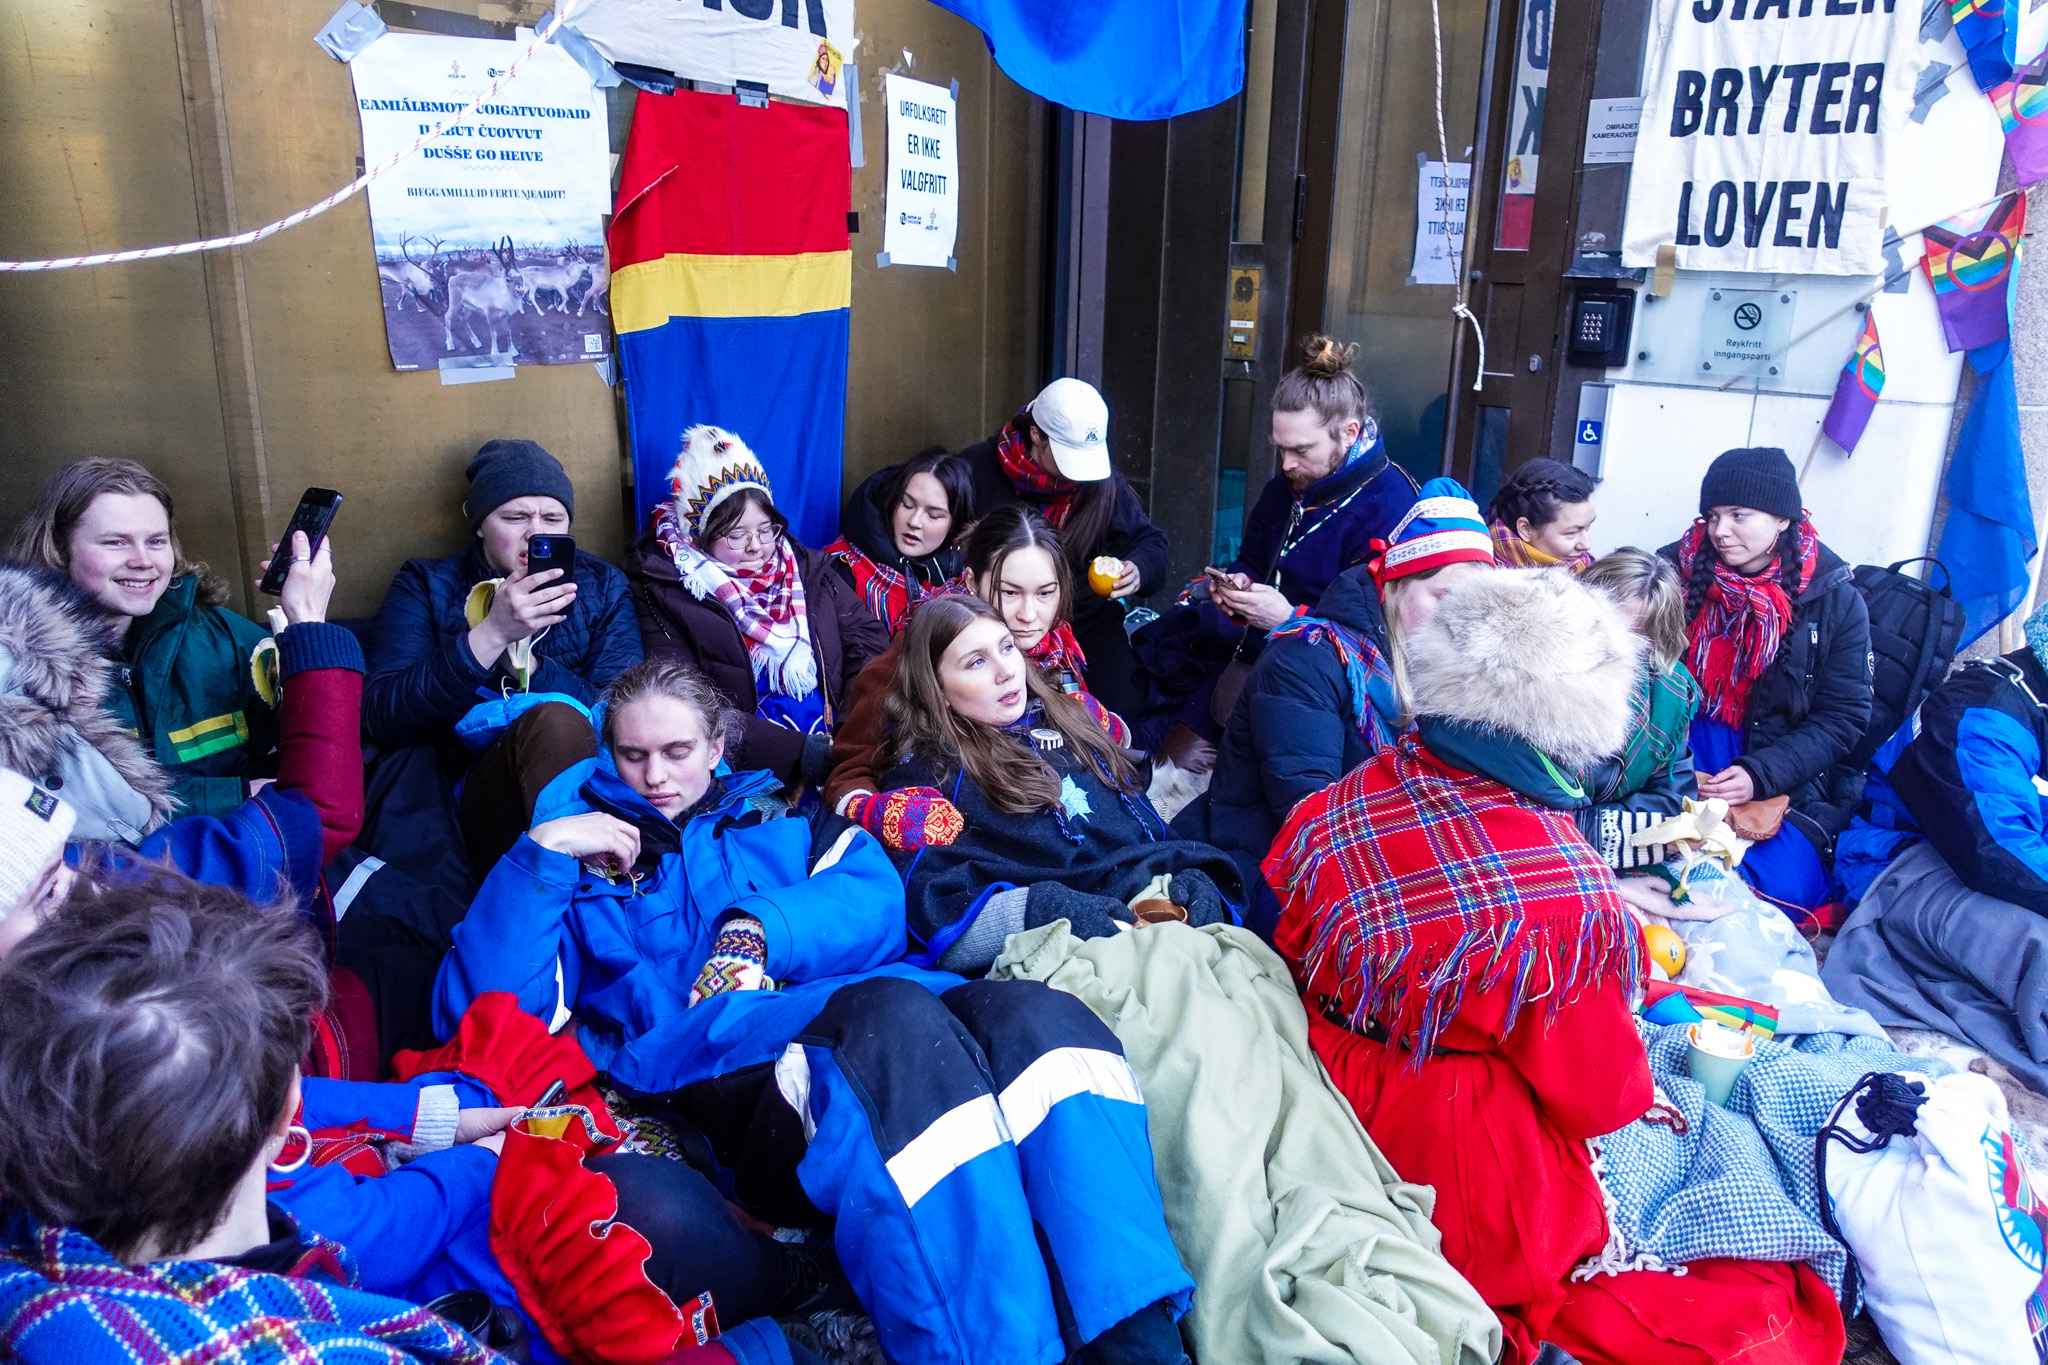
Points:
x=738 y=961
x=913 y=818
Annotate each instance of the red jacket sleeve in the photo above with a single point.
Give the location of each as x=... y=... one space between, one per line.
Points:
x=1587 y=1065
x=320 y=746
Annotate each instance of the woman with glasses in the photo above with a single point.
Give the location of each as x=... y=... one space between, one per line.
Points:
x=719 y=583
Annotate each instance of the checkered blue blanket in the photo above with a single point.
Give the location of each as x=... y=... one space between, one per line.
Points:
x=1738 y=1180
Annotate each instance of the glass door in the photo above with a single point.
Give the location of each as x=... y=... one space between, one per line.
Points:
x=1397 y=216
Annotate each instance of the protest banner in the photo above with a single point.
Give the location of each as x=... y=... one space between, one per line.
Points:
x=1765 y=131
x=921 y=212
x=490 y=242
x=795 y=48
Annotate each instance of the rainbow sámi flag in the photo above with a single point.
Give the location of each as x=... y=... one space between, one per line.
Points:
x=732 y=289
x=1856 y=391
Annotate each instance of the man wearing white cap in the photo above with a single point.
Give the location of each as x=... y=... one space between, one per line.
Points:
x=1054 y=456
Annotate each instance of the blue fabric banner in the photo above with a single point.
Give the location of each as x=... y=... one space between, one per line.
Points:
x=1131 y=59
x=1989 y=537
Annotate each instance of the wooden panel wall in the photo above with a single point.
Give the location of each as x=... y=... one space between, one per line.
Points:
x=246 y=376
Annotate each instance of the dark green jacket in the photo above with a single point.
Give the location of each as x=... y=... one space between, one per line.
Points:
x=183 y=686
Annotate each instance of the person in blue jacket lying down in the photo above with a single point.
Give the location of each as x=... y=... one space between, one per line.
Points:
x=742 y=973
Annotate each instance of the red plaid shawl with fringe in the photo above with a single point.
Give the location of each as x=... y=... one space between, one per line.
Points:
x=1409 y=882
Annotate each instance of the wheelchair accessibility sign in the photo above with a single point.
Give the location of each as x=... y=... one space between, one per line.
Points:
x=1589 y=432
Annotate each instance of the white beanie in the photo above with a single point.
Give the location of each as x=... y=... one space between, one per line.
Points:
x=33 y=828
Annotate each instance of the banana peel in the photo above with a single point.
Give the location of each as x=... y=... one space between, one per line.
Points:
x=519 y=654
x=1699 y=832
x=265 y=672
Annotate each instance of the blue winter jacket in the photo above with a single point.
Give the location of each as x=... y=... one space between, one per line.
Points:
x=1306 y=539
x=621 y=956
x=422 y=676
x=1968 y=773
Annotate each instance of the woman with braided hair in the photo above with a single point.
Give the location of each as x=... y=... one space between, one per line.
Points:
x=1780 y=643
x=1543 y=515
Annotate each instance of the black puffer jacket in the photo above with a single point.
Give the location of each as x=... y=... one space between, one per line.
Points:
x=1292 y=733
x=1812 y=703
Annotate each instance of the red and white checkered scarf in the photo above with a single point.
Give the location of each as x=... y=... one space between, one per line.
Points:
x=767 y=605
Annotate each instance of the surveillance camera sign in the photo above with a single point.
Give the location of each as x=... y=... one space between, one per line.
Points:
x=489 y=241
x=922 y=208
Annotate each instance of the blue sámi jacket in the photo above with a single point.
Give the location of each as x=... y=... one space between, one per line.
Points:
x=620 y=956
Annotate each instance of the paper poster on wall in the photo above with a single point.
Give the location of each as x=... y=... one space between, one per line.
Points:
x=490 y=242
x=1764 y=134
x=921 y=212
x=1440 y=221
x=797 y=48
x=1525 y=127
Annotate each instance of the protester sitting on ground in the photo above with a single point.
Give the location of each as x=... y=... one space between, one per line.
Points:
x=1335 y=496
x=1047 y=816
x=1015 y=564
x=172 y=953
x=1542 y=516
x=1780 y=645
x=1468 y=965
x=150 y=1037
x=1053 y=456
x=185 y=688
x=438 y=656
x=278 y=840
x=721 y=585
x=1651 y=777
x=653 y=906
x=1324 y=696
x=1949 y=927
x=900 y=535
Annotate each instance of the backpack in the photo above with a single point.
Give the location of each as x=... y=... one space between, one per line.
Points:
x=1914 y=633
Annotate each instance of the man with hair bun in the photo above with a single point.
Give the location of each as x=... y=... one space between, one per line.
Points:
x=1335 y=494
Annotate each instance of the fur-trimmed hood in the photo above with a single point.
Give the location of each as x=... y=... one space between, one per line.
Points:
x=57 y=651
x=1531 y=653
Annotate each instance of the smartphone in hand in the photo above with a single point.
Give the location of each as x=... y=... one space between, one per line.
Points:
x=551 y=552
x=314 y=514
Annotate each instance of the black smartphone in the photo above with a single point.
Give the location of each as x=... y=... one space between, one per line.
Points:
x=551 y=552
x=315 y=513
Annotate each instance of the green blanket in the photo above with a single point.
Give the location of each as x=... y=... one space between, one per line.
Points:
x=1304 y=1243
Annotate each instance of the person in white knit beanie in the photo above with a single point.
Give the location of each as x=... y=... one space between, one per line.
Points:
x=34 y=825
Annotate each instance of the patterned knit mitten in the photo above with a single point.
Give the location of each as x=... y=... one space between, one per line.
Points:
x=913 y=818
x=738 y=961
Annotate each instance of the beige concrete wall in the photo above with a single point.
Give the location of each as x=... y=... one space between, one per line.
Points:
x=944 y=357
x=241 y=381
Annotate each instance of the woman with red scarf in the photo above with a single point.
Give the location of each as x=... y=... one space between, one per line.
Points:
x=899 y=538
x=1015 y=564
x=719 y=583
x=1780 y=643
x=1053 y=457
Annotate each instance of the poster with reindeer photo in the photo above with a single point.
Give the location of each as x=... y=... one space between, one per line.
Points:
x=489 y=241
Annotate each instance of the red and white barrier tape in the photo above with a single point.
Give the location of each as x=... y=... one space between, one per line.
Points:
x=314 y=211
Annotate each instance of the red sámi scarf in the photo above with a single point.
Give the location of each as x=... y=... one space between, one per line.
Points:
x=1740 y=624
x=1033 y=481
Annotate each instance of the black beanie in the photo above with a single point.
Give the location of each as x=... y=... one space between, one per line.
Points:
x=503 y=470
x=1755 y=476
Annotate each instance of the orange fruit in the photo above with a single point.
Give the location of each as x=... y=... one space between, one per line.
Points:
x=1665 y=948
x=1103 y=572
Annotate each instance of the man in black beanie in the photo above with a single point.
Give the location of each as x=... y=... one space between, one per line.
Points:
x=434 y=661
